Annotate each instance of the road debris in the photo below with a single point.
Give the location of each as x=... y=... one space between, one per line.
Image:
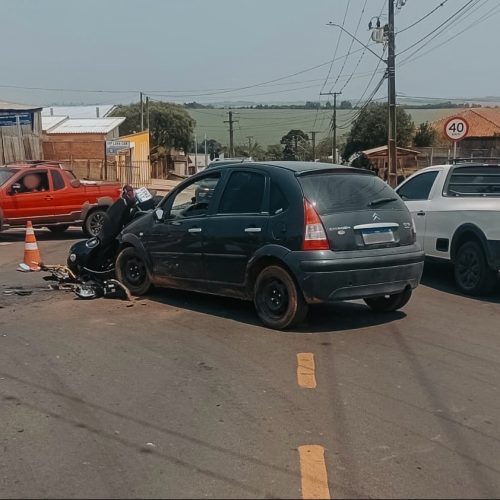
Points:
x=17 y=291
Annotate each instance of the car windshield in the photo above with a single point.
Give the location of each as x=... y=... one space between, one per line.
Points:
x=331 y=193
x=5 y=175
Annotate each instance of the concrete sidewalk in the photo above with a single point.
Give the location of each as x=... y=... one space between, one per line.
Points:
x=163 y=186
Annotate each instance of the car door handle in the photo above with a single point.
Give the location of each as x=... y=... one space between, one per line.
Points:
x=253 y=230
x=49 y=198
x=194 y=230
x=421 y=213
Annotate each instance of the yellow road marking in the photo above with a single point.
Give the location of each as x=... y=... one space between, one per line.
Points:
x=313 y=472
x=306 y=377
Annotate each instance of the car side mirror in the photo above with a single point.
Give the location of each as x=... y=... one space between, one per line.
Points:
x=158 y=214
x=15 y=188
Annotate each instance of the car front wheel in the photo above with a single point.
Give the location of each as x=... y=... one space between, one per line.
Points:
x=132 y=272
x=278 y=301
x=389 y=303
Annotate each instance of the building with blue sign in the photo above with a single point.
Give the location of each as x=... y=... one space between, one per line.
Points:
x=20 y=132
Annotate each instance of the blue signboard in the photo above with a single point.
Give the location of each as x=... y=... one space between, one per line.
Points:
x=11 y=119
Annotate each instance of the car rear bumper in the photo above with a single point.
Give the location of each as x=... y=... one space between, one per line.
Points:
x=331 y=276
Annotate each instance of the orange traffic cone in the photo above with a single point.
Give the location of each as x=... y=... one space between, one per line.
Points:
x=32 y=257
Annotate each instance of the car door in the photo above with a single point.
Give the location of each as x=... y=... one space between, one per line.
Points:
x=33 y=201
x=175 y=241
x=415 y=192
x=66 y=207
x=238 y=226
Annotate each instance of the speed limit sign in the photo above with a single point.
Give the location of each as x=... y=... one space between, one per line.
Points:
x=456 y=128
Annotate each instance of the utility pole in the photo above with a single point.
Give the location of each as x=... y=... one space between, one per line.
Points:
x=313 y=139
x=249 y=137
x=334 y=124
x=147 y=112
x=391 y=76
x=206 y=154
x=142 y=114
x=231 y=133
x=195 y=154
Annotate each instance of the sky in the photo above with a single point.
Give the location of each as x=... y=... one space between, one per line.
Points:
x=188 y=50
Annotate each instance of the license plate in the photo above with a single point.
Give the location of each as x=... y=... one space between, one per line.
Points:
x=377 y=236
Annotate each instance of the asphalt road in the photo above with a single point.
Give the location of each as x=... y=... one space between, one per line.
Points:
x=182 y=395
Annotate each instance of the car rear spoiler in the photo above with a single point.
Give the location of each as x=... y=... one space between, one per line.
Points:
x=335 y=170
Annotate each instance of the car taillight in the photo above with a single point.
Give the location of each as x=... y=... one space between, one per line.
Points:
x=314 y=232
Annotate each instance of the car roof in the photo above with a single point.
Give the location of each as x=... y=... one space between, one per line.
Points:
x=34 y=164
x=303 y=167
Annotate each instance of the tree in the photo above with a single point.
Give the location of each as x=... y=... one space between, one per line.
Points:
x=274 y=152
x=370 y=129
x=170 y=125
x=345 y=105
x=292 y=142
x=424 y=136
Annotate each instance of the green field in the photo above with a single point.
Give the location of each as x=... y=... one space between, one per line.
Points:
x=268 y=126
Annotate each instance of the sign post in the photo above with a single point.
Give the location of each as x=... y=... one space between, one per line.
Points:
x=456 y=128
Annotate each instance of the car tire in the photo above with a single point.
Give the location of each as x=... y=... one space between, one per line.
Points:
x=93 y=222
x=59 y=229
x=278 y=301
x=132 y=272
x=473 y=276
x=389 y=303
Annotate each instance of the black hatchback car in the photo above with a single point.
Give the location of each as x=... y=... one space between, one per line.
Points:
x=283 y=234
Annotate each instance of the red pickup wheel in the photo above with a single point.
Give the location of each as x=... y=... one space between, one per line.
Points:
x=93 y=222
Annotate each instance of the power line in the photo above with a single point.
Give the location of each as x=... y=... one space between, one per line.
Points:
x=439 y=27
x=475 y=23
x=350 y=48
x=423 y=18
x=336 y=48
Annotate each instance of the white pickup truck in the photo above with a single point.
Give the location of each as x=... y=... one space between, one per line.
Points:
x=456 y=211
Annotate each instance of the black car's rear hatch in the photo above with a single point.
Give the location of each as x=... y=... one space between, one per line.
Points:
x=358 y=211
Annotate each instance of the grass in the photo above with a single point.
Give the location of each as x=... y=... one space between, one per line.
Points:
x=268 y=126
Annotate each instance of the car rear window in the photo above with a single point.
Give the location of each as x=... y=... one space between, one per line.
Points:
x=331 y=193
x=5 y=175
x=474 y=181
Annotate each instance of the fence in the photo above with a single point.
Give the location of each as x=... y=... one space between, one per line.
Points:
x=135 y=173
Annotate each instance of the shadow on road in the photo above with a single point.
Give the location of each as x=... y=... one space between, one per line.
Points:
x=440 y=277
x=326 y=318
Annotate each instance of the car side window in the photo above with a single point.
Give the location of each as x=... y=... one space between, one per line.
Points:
x=34 y=182
x=279 y=203
x=244 y=193
x=194 y=199
x=57 y=180
x=419 y=187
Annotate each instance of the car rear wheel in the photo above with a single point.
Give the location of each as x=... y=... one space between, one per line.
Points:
x=278 y=301
x=59 y=229
x=132 y=272
x=473 y=276
x=93 y=222
x=389 y=303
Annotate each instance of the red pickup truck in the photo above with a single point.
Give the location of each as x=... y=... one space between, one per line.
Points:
x=52 y=197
